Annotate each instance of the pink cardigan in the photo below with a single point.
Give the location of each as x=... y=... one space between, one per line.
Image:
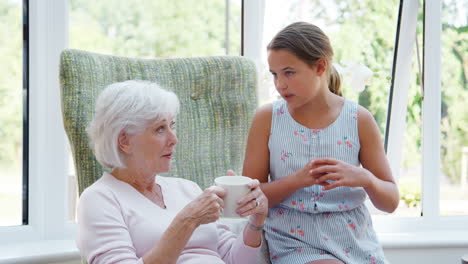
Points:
x=117 y=224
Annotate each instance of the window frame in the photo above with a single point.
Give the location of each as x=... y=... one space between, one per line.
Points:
x=47 y=143
x=430 y=220
x=48 y=166
x=25 y=148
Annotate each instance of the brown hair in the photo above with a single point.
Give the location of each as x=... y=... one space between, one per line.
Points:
x=308 y=43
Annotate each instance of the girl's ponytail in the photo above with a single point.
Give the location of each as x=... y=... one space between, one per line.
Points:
x=334 y=82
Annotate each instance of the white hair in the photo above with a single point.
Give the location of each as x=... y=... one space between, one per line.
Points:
x=129 y=107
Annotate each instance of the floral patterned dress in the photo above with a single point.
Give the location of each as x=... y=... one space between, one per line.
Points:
x=312 y=224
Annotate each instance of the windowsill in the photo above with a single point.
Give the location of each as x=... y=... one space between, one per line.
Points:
x=56 y=251
x=46 y=251
x=435 y=239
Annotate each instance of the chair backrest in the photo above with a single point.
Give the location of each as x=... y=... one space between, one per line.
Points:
x=218 y=100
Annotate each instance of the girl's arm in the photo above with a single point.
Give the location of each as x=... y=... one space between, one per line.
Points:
x=257 y=161
x=381 y=189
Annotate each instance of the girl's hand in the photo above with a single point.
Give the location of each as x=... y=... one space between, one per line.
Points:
x=254 y=203
x=339 y=173
x=304 y=177
x=206 y=208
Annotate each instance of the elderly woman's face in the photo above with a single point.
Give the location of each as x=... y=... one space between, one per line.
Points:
x=152 y=150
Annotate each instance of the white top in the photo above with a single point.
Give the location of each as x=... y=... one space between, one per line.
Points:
x=117 y=224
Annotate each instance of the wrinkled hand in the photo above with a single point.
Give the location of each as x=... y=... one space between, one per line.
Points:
x=254 y=203
x=206 y=208
x=331 y=173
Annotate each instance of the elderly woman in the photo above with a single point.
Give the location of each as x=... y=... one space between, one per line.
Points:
x=133 y=215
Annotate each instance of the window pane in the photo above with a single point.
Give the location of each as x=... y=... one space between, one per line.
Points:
x=454 y=122
x=11 y=113
x=410 y=174
x=155 y=28
x=151 y=29
x=361 y=33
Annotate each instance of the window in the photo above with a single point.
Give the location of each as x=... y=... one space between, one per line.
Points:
x=451 y=180
x=156 y=28
x=409 y=166
x=426 y=98
x=454 y=117
x=11 y=114
x=89 y=25
x=44 y=192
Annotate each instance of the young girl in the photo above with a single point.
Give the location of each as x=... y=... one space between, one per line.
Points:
x=311 y=143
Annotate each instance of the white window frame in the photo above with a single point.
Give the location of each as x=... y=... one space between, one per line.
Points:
x=253 y=33
x=48 y=198
x=430 y=221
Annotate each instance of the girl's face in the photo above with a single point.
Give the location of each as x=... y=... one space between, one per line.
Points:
x=296 y=81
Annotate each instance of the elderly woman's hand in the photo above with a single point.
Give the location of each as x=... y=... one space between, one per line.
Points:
x=206 y=208
x=254 y=203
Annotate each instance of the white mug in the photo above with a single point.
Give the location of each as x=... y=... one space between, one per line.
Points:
x=236 y=188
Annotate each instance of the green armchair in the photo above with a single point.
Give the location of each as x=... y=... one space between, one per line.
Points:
x=218 y=100
x=217 y=96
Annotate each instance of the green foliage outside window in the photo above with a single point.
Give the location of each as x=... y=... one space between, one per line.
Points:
x=154 y=28
x=10 y=86
x=410 y=193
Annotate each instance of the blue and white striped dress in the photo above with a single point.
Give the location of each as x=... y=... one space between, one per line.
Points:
x=312 y=224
